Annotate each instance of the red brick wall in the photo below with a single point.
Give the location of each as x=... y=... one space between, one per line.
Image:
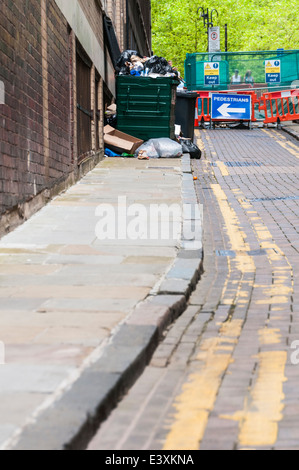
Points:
x=94 y=15
x=59 y=69
x=23 y=170
x=139 y=19
x=145 y=7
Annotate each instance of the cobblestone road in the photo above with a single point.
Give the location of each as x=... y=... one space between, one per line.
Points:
x=227 y=374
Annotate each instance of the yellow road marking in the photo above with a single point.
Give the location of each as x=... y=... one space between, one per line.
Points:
x=262 y=413
x=285 y=145
x=269 y=336
x=283 y=285
x=223 y=168
x=260 y=417
x=293 y=145
x=198 y=397
x=232 y=227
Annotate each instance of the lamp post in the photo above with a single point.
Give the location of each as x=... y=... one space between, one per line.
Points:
x=207 y=17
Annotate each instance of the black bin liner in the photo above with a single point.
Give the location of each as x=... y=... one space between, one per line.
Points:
x=191 y=148
x=121 y=63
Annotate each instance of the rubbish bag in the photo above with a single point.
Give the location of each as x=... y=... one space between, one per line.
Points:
x=110 y=117
x=191 y=148
x=137 y=63
x=110 y=153
x=168 y=148
x=132 y=60
x=160 y=148
x=127 y=155
x=123 y=70
x=147 y=149
x=111 y=120
x=159 y=65
x=125 y=57
x=135 y=73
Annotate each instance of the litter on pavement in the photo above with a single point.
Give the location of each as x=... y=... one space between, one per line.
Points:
x=191 y=148
x=119 y=142
x=160 y=148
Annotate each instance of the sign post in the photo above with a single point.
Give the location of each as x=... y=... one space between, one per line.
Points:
x=214 y=39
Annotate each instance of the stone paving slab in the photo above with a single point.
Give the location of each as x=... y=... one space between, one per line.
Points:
x=81 y=317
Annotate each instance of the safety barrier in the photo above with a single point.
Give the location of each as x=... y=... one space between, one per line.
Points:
x=203 y=105
x=271 y=107
x=280 y=106
x=203 y=108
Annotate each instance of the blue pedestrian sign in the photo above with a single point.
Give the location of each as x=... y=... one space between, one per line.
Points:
x=231 y=107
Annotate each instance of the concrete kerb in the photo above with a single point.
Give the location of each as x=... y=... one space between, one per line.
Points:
x=291 y=130
x=72 y=421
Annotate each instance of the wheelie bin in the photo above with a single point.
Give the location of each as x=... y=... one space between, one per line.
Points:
x=185 y=112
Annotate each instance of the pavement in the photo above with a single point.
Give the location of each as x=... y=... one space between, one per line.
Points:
x=226 y=375
x=81 y=316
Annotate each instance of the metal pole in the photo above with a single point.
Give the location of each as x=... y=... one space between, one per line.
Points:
x=127 y=24
x=226 y=38
x=207 y=17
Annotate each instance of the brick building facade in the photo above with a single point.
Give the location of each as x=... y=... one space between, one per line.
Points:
x=56 y=74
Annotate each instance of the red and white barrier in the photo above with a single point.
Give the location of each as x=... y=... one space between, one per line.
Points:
x=280 y=106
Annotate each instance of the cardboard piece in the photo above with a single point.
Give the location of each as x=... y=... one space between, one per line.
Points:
x=111 y=110
x=120 y=142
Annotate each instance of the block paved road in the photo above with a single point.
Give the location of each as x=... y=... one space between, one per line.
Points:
x=226 y=376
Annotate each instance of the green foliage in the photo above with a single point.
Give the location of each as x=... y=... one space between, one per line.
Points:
x=253 y=25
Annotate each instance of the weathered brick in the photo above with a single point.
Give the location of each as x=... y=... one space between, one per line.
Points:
x=38 y=123
x=22 y=150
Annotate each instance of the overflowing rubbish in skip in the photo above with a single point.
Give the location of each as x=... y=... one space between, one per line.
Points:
x=151 y=117
x=132 y=63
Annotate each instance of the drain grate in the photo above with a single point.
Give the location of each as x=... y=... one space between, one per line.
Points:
x=242 y=164
x=239 y=164
x=265 y=199
x=233 y=254
x=229 y=253
x=257 y=253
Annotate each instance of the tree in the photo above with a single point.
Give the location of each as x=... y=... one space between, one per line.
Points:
x=253 y=25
